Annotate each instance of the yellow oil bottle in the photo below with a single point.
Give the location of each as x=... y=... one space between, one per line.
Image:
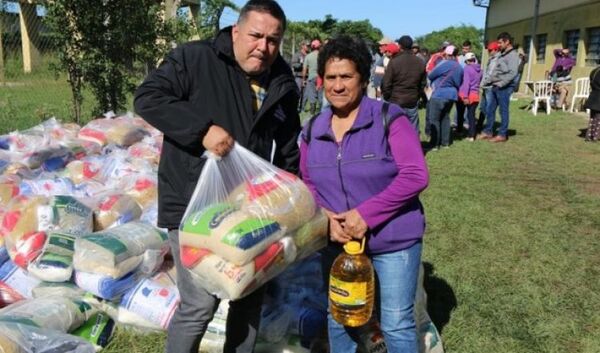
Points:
x=351 y=286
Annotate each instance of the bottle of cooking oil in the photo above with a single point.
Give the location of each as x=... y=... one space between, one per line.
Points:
x=351 y=286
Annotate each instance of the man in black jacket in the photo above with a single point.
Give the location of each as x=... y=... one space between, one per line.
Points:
x=404 y=80
x=206 y=95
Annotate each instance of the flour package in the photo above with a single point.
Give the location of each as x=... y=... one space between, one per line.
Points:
x=117 y=251
x=55 y=263
x=15 y=283
x=240 y=207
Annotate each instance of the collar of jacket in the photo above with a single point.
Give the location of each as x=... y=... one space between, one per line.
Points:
x=508 y=52
x=364 y=119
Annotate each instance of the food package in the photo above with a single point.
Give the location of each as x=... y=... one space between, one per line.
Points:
x=97 y=330
x=144 y=190
x=236 y=236
x=278 y=196
x=28 y=220
x=19 y=337
x=9 y=188
x=54 y=313
x=15 y=283
x=55 y=263
x=230 y=281
x=120 y=131
x=46 y=186
x=61 y=289
x=312 y=236
x=119 y=250
x=104 y=286
x=151 y=303
x=115 y=210
x=149 y=149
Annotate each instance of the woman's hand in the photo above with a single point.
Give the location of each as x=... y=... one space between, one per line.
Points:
x=353 y=223
x=336 y=229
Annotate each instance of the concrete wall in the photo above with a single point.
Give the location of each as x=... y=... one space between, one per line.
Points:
x=584 y=15
x=509 y=11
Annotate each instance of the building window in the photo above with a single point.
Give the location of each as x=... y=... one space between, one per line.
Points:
x=540 y=48
x=572 y=41
x=593 y=47
x=525 y=46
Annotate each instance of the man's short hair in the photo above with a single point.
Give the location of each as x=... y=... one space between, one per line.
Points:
x=264 y=6
x=405 y=42
x=505 y=37
x=466 y=43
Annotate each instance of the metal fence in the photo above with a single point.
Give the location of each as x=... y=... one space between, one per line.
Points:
x=30 y=89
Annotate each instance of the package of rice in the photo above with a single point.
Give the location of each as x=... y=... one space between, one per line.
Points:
x=55 y=264
x=117 y=251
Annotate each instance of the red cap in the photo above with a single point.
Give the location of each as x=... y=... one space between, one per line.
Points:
x=493 y=46
x=393 y=48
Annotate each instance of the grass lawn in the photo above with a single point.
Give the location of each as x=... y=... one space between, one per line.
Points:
x=513 y=242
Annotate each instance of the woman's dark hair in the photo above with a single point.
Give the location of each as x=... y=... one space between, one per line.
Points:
x=350 y=48
x=264 y=6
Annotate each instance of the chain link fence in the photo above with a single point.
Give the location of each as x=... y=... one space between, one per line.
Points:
x=31 y=90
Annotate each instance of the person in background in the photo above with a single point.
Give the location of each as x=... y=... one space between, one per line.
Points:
x=436 y=58
x=309 y=76
x=297 y=63
x=502 y=80
x=466 y=48
x=404 y=80
x=446 y=79
x=206 y=96
x=459 y=114
x=593 y=104
x=380 y=65
x=493 y=52
x=374 y=197
x=561 y=75
x=469 y=91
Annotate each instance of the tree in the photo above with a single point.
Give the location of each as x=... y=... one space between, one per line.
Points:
x=210 y=16
x=455 y=35
x=101 y=42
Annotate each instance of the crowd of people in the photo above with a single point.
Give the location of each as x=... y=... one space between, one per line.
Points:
x=360 y=154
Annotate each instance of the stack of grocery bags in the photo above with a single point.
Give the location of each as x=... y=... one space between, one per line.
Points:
x=81 y=253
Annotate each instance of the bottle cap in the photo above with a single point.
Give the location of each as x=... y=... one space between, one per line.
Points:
x=354 y=247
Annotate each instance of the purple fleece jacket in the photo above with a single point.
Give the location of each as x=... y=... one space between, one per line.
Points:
x=471 y=79
x=380 y=178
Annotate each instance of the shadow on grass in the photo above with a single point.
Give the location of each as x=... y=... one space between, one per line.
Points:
x=440 y=297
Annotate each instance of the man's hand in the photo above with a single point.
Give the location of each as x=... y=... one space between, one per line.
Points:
x=353 y=223
x=218 y=141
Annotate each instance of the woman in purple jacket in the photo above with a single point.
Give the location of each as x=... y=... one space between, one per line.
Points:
x=368 y=179
x=469 y=91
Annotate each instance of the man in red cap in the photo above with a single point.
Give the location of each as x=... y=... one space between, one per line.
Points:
x=493 y=52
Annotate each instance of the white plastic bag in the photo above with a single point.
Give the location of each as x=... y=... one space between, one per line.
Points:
x=241 y=206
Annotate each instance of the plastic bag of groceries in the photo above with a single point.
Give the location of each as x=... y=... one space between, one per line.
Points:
x=17 y=337
x=241 y=209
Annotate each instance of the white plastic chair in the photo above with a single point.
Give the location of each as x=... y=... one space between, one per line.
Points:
x=542 y=91
x=582 y=90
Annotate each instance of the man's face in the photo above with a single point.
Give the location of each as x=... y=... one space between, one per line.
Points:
x=503 y=44
x=466 y=49
x=256 y=41
x=415 y=50
x=382 y=48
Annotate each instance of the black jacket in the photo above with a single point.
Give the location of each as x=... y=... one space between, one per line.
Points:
x=404 y=80
x=200 y=84
x=593 y=101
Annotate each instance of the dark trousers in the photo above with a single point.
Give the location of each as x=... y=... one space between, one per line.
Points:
x=439 y=115
x=197 y=308
x=460 y=115
x=471 y=108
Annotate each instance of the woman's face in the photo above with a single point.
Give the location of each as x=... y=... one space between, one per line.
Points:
x=342 y=84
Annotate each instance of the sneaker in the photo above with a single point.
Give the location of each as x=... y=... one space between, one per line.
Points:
x=499 y=138
x=484 y=136
x=445 y=147
x=470 y=139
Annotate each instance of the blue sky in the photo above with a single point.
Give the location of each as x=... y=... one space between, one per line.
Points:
x=394 y=17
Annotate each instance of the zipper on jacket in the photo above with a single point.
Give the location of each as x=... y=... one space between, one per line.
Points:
x=339 y=165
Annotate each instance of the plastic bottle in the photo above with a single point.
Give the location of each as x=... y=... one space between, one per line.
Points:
x=351 y=286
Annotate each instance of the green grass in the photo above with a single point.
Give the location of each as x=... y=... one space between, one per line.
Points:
x=512 y=245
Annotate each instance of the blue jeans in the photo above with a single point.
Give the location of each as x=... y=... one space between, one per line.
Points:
x=498 y=97
x=413 y=116
x=396 y=284
x=439 y=119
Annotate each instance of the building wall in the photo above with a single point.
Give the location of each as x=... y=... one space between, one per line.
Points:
x=584 y=15
x=509 y=11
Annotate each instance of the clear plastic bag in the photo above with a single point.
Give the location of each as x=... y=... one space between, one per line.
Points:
x=242 y=205
x=20 y=338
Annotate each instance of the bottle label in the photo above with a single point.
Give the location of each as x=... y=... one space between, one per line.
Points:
x=347 y=293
